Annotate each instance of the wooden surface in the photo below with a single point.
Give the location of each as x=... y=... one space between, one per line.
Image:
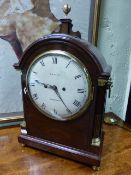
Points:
x=18 y=160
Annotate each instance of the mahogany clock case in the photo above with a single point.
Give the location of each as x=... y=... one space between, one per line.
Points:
x=72 y=138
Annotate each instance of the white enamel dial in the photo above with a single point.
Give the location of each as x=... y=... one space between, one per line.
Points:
x=58 y=85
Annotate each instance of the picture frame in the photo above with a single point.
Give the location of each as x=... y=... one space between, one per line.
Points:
x=15 y=118
x=94 y=21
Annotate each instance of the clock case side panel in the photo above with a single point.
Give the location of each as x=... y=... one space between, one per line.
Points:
x=83 y=127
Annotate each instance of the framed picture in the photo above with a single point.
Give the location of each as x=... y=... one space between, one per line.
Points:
x=94 y=21
x=21 y=23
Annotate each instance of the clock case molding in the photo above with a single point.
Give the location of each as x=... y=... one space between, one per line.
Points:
x=80 y=139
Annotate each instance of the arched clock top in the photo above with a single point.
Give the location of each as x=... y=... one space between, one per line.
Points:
x=86 y=52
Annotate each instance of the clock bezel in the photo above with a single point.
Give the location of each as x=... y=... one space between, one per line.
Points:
x=87 y=75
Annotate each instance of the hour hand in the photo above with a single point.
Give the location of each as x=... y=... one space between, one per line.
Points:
x=44 y=84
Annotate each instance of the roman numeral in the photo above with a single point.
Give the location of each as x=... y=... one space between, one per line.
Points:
x=55 y=112
x=80 y=90
x=42 y=63
x=43 y=106
x=77 y=76
x=35 y=96
x=68 y=64
x=76 y=103
x=54 y=59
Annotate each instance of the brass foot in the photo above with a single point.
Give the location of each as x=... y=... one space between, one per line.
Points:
x=96 y=168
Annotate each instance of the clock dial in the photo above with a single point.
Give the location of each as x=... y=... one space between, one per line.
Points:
x=59 y=85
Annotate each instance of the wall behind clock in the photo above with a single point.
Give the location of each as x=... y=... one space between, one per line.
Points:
x=115 y=44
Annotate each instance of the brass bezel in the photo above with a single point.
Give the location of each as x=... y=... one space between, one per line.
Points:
x=89 y=98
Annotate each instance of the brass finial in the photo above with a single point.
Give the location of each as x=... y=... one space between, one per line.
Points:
x=66 y=9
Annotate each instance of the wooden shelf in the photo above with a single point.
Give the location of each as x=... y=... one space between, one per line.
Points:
x=15 y=159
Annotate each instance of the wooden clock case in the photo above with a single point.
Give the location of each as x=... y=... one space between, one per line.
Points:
x=78 y=139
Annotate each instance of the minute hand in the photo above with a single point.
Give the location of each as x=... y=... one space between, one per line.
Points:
x=58 y=94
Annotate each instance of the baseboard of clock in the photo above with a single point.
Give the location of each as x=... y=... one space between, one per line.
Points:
x=82 y=156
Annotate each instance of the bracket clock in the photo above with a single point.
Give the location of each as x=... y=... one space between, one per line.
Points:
x=64 y=82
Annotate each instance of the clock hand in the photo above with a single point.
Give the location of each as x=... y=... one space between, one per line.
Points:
x=45 y=85
x=55 y=90
x=58 y=94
